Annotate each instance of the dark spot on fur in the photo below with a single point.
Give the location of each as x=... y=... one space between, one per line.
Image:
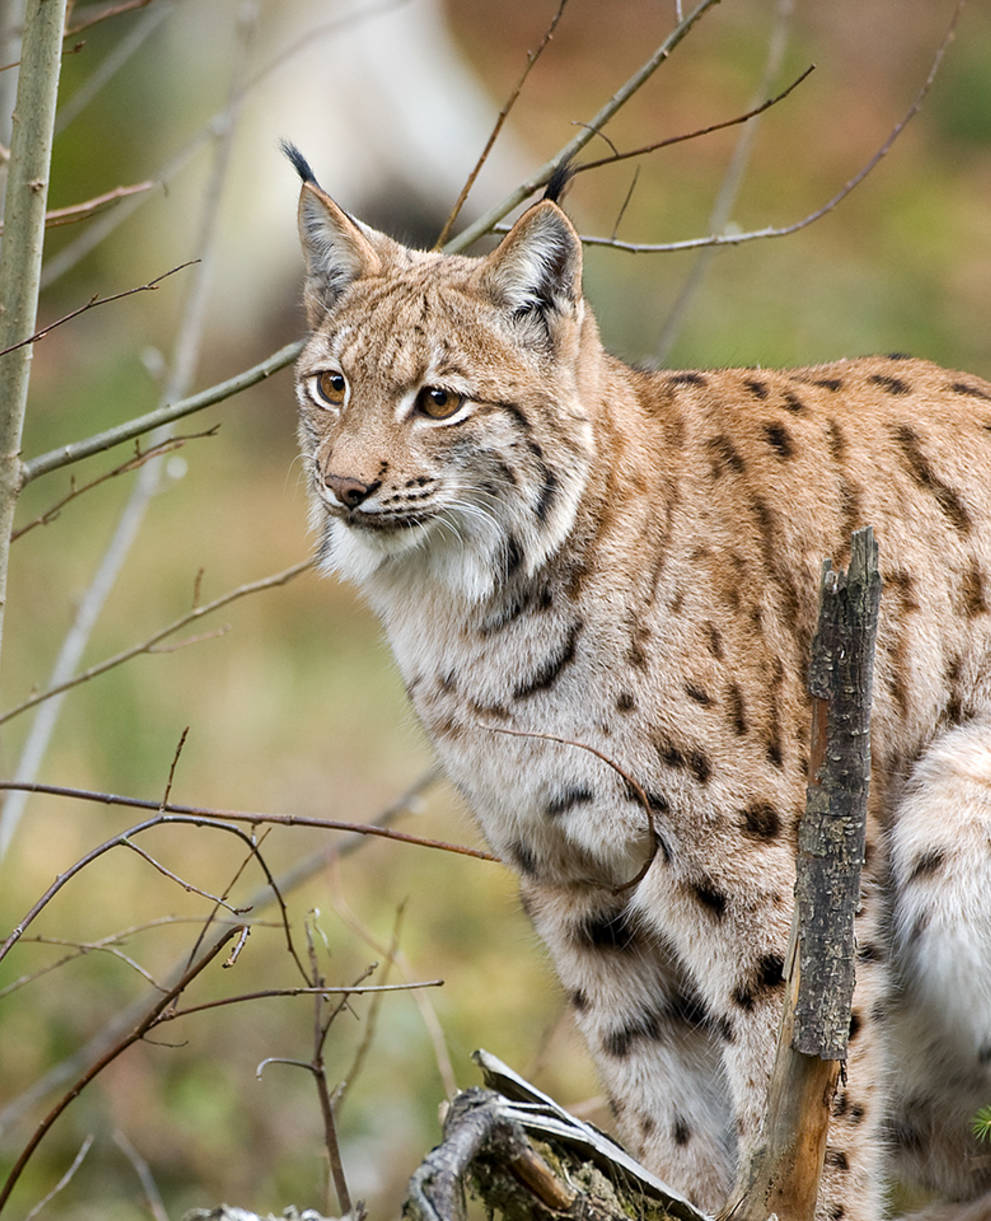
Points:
x=761 y=821
x=836 y=1212
x=548 y=672
x=738 y=712
x=793 y=402
x=514 y=556
x=837 y=1158
x=891 y=385
x=856 y=1021
x=829 y=383
x=618 y=1042
x=646 y=1125
x=857 y=1113
x=681 y=1131
x=972 y=592
x=869 y=952
x=757 y=388
x=687 y=1007
x=724 y=456
x=697 y=694
x=607 y=931
x=779 y=439
x=973 y=391
x=579 y=1000
x=523 y=858
x=567 y=799
x=926 y=864
x=687 y=379
x=715 y=640
x=699 y=766
x=767 y=975
x=713 y=900
x=625 y=702
x=920 y=470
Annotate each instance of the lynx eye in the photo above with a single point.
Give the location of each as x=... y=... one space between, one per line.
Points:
x=438 y=403
x=329 y=388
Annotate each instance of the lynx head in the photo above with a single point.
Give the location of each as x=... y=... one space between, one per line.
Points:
x=441 y=416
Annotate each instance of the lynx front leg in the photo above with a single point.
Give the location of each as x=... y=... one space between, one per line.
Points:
x=659 y=1057
x=737 y=955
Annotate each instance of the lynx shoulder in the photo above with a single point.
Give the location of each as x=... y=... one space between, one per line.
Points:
x=560 y=545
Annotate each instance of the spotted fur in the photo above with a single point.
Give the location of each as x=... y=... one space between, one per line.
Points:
x=558 y=544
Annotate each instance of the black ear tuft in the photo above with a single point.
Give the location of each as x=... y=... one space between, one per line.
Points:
x=300 y=164
x=559 y=182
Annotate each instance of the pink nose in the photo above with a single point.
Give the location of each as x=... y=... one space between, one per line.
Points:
x=350 y=492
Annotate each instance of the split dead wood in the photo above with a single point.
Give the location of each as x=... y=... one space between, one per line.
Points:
x=528 y=1159
x=784 y=1175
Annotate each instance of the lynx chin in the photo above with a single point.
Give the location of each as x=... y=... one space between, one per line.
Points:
x=557 y=543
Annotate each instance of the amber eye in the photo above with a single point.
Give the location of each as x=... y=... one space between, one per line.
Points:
x=329 y=389
x=438 y=403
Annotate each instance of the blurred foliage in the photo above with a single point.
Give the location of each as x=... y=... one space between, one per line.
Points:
x=296 y=707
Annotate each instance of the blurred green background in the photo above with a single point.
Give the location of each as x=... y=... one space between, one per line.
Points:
x=296 y=707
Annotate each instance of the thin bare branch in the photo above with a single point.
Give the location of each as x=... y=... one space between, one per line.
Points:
x=89 y=207
x=738 y=239
x=139 y=458
x=626 y=201
x=320 y=990
x=174 y=877
x=254 y=819
x=574 y=146
x=93 y=302
x=115 y=10
x=145 y=1177
x=428 y=1014
x=701 y=131
x=729 y=188
x=148 y=1020
x=65 y=455
x=531 y=59
x=160 y=820
x=81 y=948
x=118 y=1023
x=371 y=1020
x=102 y=228
x=242 y=591
x=64 y=1181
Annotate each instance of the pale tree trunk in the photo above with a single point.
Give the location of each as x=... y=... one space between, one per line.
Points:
x=32 y=126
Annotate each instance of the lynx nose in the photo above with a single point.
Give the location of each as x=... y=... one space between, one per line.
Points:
x=350 y=492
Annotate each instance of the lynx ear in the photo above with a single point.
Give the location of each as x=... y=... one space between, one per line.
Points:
x=338 y=250
x=538 y=264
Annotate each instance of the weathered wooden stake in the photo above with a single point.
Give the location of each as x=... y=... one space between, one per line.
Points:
x=784 y=1176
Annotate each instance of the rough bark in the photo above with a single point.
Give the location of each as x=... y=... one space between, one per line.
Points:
x=783 y=1178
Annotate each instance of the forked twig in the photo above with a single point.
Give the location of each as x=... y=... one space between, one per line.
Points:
x=531 y=59
x=64 y=1181
x=254 y=818
x=139 y=458
x=738 y=239
x=146 y=1023
x=95 y=301
x=563 y=156
x=701 y=131
x=146 y=646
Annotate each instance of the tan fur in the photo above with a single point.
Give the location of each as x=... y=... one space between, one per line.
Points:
x=630 y=561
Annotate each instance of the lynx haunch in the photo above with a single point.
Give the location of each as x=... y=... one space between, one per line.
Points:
x=559 y=544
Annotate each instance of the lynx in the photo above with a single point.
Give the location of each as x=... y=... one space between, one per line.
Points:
x=558 y=544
